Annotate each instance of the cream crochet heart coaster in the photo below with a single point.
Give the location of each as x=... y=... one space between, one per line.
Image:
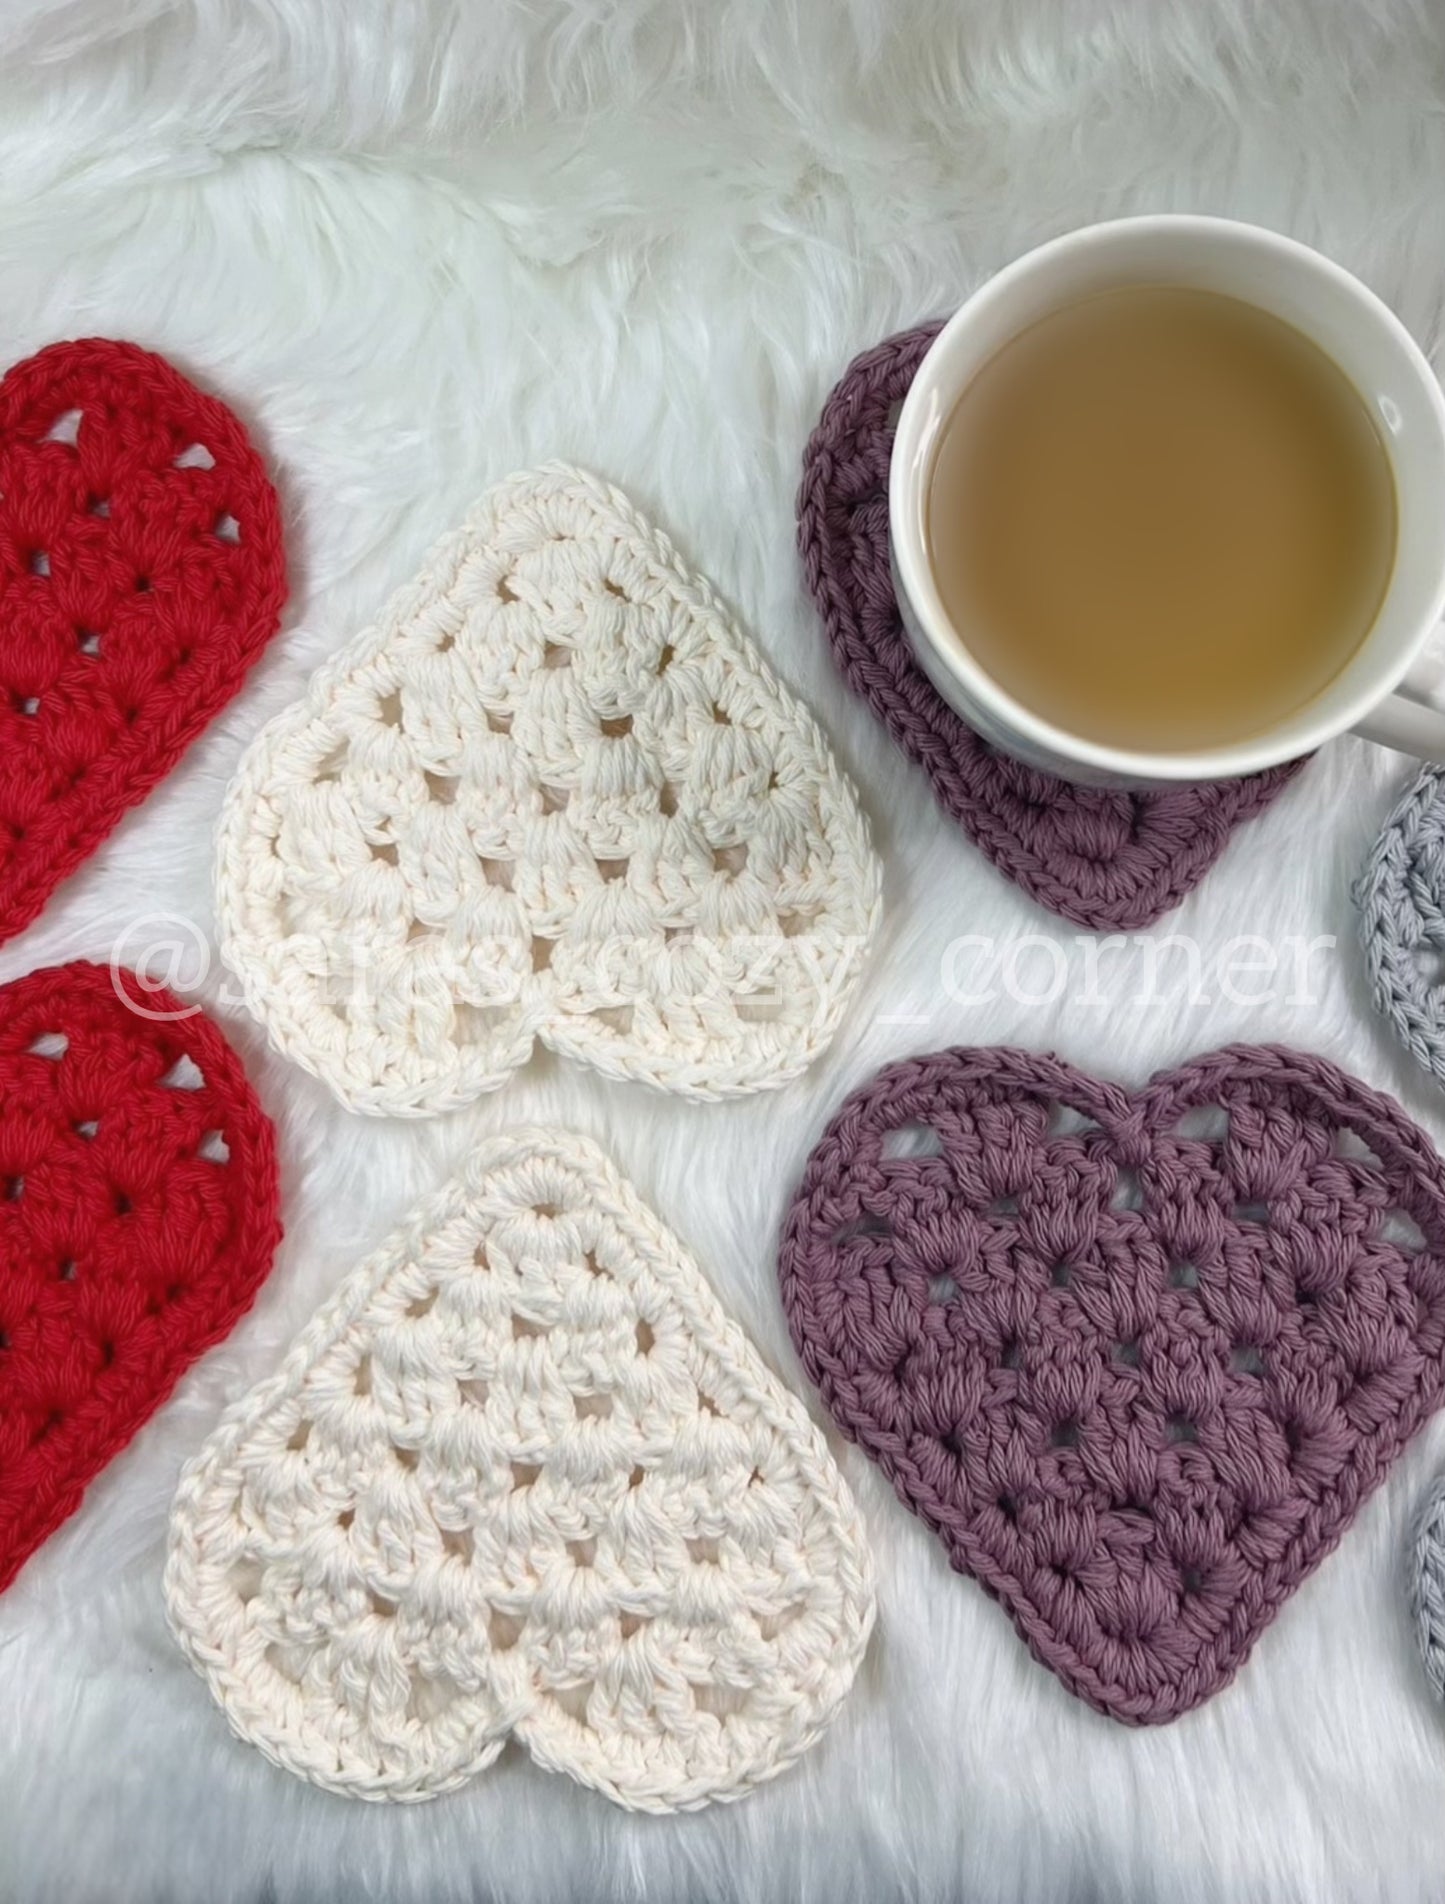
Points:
x=554 y=793
x=520 y=1475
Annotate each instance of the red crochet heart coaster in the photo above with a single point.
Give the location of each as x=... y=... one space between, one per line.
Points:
x=141 y=573
x=1108 y=861
x=1136 y=1359
x=138 y=1217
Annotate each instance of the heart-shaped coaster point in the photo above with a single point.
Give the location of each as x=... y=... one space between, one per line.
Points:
x=1137 y=1359
x=520 y=1476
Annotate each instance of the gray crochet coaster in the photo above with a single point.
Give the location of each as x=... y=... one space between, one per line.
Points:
x=1427 y=1586
x=1401 y=900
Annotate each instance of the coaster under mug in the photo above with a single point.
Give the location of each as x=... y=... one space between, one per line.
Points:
x=1106 y=860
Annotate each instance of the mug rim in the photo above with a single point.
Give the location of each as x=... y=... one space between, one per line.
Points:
x=950 y=648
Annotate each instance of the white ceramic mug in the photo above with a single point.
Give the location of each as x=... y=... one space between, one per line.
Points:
x=1372 y=695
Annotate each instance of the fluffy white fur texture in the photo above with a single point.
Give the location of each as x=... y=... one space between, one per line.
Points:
x=421 y=245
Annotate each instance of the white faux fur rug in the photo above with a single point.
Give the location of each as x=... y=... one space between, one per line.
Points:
x=418 y=247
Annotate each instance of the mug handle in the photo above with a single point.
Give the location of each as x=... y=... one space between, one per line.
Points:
x=1405 y=720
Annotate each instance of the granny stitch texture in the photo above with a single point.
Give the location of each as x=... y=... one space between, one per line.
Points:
x=138 y=1216
x=1427 y=1586
x=1402 y=922
x=141 y=573
x=1136 y=1358
x=521 y=1475
x=1105 y=860
x=553 y=794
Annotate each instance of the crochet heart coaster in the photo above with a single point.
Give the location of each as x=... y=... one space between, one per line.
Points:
x=1105 y=860
x=1427 y=1587
x=1136 y=1358
x=521 y=1476
x=1401 y=901
x=138 y=1216
x=141 y=573
x=553 y=794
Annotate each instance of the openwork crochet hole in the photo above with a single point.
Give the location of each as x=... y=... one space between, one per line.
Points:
x=39 y=562
x=582 y=1553
x=617 y=727
x=442 y=788
x=704 y=1550
x=1183 y=1275
x=1251 y=1211
x=432 y=1695
x=1128 y=1191
x=1179 y=1429
x=554 y=655
x=524 y=1475
x=942 y=1290
x=645 y=1337
x=612 y=869
x=1397 y=1226
x=1247 y=1359
x=498 y=872
x=299 y=1435
x=910 y=1140
x=184 y=1075
x=1207 y=1123
x=474 y=1390
x=195 y=456
x=592 y=1407
x=87 y=641
x=542 y=950
x=227 y=529
x=503 y=1630
x=866 y=1225
x=574 y=1700
x=244 y=1579
x=50 y=1044
x=213 y=1148
x=719 y=1702
x=758 y=1008
x=1127 y=1354
x=65 y=428
x=389 y=709
x=1065 y=1433
x=730 y=859
x=1065 y=1121
x=554 y=799
x=505 y=591
x=667 y=800
x=459 y=1543
x=1350 y=1146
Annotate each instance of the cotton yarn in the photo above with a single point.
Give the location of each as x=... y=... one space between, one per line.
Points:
x=1402 y=924
x=553 y=794
x=1137 y=1359
x=1108 y=861
x=1427 y=1586
x=138 y=1217
x=141 y=574
x=521 y=1476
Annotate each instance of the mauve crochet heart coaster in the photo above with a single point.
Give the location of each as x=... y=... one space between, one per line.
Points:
x=1136 y=1358
x=1105 y=860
